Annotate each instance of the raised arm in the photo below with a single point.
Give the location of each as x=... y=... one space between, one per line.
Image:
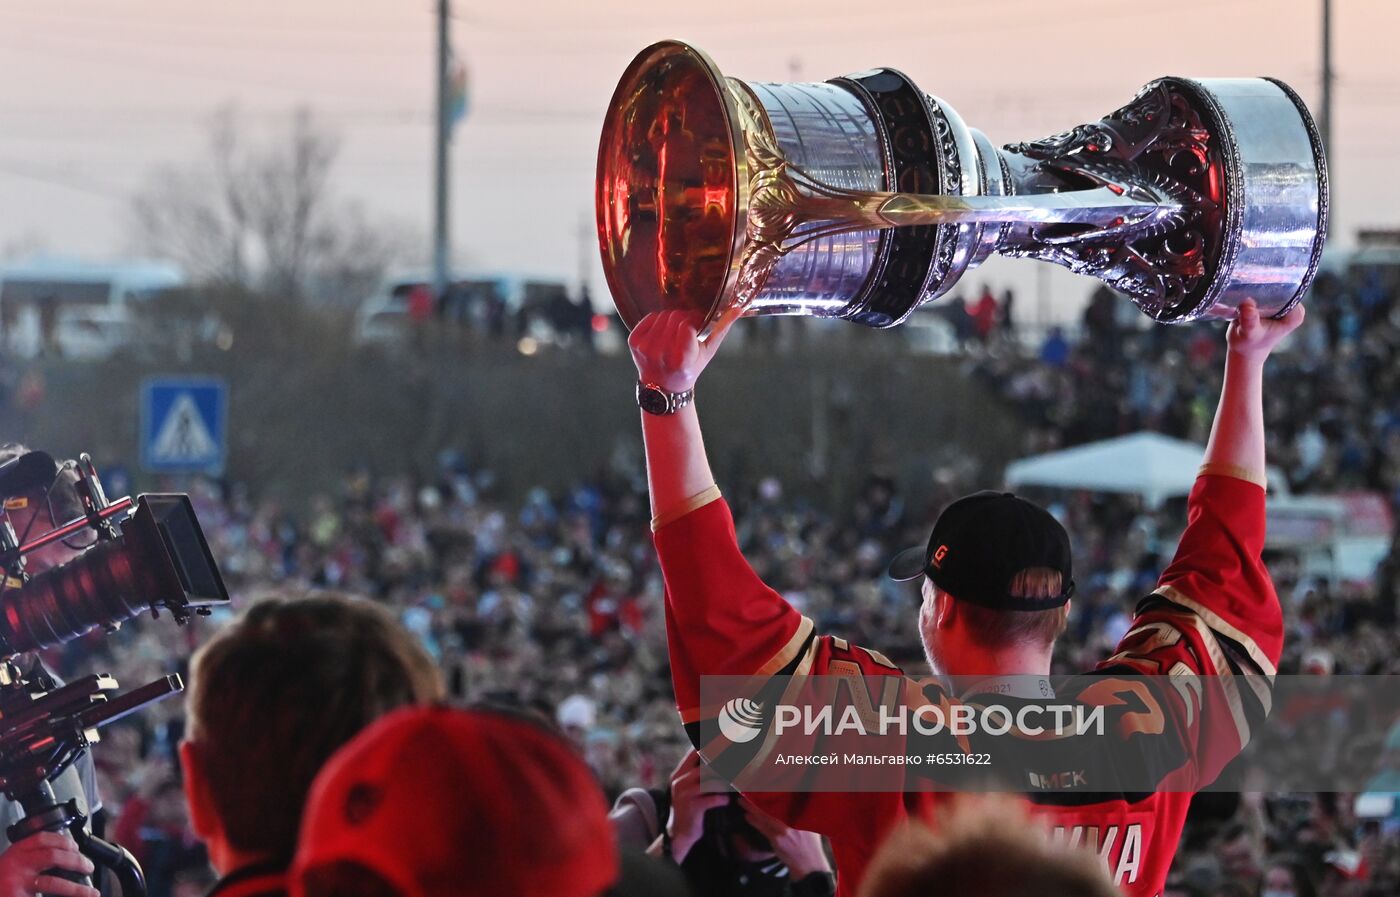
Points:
x=669 y=355
x=1237 y=437
x=1218 y=572
x=721 y=619
x=1215 y=613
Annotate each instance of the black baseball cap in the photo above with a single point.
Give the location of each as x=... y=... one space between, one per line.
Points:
x=980 y=542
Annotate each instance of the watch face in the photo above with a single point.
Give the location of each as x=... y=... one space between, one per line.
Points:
x=653 y=400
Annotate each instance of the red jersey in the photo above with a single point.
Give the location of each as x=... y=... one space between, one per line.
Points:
x=1214 y=614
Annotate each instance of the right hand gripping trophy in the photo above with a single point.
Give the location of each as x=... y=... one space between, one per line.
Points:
x=863 y=197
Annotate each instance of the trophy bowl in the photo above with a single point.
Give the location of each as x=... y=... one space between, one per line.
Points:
x=670 y=207
x=863 y=197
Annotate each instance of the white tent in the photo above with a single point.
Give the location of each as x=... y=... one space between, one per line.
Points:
x=1154 y=466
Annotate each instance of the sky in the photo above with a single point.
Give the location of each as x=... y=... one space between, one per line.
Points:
x=95 y=94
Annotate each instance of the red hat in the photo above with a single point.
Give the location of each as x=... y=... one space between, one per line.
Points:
x=440 y=802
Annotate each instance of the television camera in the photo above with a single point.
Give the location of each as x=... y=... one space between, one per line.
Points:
x=124 y=558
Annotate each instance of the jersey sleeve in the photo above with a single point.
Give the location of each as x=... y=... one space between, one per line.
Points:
x=721 y=618
x=1218 y=572
x=1214 y=628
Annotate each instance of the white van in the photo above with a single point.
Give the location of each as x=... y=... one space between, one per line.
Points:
x=1341 y=538
x=73 y=308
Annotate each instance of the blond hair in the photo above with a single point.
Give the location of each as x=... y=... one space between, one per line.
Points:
x=996 y=628
x=987 y=845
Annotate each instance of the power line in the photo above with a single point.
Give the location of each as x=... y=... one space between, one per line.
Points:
x=58 y=178
x=167 y=70
x=318 y=27
x=979 y=27
x=935 y=14
x=261 y=45
x=197 y=114
x=570 y=32
x=442 y=134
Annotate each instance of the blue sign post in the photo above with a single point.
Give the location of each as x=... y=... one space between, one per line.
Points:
x=184 y=425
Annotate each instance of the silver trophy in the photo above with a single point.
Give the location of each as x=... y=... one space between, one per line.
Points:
x=864 y=197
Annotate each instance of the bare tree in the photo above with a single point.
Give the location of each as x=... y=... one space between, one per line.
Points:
x=353 y=255
x=263 y=216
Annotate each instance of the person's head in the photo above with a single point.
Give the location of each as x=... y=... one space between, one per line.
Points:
x=1239 y=851
x=433 y=802
x=985 y=845
x=1178 y=886
x=1318 y=662
x=996 y=579
x=272 y=697
x=1284 y=876
x=39 y=493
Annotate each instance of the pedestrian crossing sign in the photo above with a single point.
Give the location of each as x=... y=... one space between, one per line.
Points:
x=184 y=425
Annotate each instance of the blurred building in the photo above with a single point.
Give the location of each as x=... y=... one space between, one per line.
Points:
x=71 y=308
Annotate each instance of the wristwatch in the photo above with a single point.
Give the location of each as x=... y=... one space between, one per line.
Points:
x=654 y=400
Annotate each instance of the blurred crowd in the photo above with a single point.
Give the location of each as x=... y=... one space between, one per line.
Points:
x=546 y=312
x=555 y=603
x=1333 y=409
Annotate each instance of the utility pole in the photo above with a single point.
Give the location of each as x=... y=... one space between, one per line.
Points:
x=440 y=179
x=587 y=246
x=1325 y=124
x=1042 y=298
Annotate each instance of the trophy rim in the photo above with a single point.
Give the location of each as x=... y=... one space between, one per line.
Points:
x=1212 y=302
x=1324 y=193
x=630 y=308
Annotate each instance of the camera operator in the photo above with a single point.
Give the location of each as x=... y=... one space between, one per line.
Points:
x=35 y=508
x=725 y=846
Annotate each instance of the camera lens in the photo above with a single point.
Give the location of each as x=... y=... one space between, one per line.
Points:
x=161 y=559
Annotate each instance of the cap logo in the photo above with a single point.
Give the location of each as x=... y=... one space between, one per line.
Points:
x=361 y=801
x=939 y=555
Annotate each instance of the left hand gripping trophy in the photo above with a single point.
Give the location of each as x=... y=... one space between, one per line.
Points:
x=863 y=197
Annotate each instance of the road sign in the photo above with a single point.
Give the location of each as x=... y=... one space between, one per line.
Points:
x=184 y=426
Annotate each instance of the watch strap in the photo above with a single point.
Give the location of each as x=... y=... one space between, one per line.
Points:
x=675 y=401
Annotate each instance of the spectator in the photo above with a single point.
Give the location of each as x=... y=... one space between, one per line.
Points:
x=157 y=831
x=984 y=315
x=1101 y=320
x=271 y=698
x=511 y=810
x=421 y=304
x=1054 y=351
x=988 y=847
x=1285 y=877
x=725 y=846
